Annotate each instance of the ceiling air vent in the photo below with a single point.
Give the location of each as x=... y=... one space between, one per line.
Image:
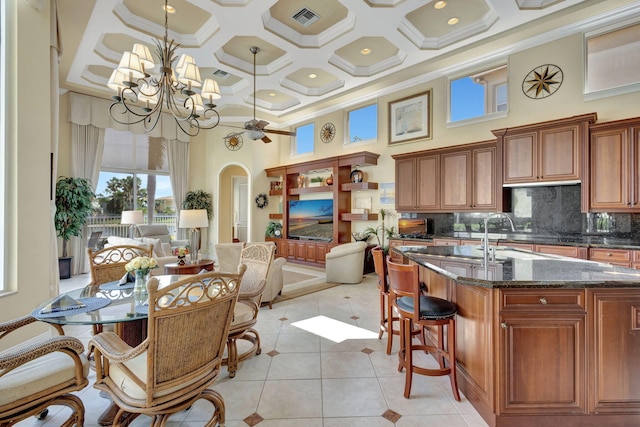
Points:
x=221 y=74
x=306 y=16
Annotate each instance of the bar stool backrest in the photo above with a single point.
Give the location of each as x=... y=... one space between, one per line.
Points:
x=380 y=267
x=404 y=282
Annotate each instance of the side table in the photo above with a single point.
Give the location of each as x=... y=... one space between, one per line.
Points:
x=189 y=267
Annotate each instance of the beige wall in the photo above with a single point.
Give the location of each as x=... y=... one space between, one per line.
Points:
x=28 y=153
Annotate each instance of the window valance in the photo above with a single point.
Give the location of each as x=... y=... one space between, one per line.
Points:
x=88 y=110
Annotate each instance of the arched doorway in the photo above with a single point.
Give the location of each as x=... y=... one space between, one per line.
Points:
x=234 y=213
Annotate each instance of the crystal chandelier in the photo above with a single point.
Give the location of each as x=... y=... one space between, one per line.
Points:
x=142 y=97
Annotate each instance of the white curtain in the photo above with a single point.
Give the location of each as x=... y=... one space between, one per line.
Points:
x=179 y=171
x=87 y=146
x=55 y=50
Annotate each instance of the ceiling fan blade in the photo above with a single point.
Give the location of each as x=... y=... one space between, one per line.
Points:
x=260 y=124
x=279 y=132
x=266 y=139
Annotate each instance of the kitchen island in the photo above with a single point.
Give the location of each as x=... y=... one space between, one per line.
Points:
x=542 y=340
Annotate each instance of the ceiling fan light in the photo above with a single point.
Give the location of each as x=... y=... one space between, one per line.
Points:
x=144 y=55
x=130 y=66
x=255 y=134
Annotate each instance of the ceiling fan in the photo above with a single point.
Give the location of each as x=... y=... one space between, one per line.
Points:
x=254 y=129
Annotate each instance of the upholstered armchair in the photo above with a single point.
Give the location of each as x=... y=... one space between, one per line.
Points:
x=180 y=359
x=40 y=373
x=257 y=257
x=275 y=281
x=345 y=263
x=228 y=256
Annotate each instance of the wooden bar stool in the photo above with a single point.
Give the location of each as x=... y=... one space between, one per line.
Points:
x=417 y=310
x=386 y=310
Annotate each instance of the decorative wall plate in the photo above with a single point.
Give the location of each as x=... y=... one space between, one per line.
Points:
x=233 y=141
x=262 y=200
x=542 y=81
x=327 y=132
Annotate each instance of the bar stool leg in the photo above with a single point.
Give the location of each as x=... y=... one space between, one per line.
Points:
x=408 y=357
x=401 y=353
x=383 y=323
x=452 y=357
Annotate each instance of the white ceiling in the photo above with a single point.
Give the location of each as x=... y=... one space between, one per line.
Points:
x=406 y=37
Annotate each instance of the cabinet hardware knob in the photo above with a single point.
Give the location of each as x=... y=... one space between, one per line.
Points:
x=543 y=300
x=608 y=253
x=504 y=325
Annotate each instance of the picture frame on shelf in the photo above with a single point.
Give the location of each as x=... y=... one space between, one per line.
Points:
x=410 y=118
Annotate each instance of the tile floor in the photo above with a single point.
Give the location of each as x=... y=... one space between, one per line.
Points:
x=304 y=380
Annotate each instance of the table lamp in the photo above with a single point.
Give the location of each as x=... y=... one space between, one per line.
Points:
x=132 y=218
x=194 y=219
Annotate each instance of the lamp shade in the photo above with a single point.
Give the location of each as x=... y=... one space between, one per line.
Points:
x=193 y=218
x=132 y=217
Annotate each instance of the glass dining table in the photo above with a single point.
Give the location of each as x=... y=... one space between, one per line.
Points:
x=130 y=321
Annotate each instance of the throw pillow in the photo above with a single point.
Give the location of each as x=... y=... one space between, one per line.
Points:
x=167 y=249
x=157 y=246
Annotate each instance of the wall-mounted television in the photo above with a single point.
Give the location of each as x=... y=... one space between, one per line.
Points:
x=311 y=219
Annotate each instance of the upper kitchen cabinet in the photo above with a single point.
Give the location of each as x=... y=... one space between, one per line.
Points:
x=463 y=178
x=544 y=153
x=418 y=183
x=614 y=166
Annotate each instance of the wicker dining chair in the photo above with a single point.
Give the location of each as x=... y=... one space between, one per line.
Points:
x=188 y=325
x=40 y=373
x=257 y=257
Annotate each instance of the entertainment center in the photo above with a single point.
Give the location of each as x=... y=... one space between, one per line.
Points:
x=311 y=246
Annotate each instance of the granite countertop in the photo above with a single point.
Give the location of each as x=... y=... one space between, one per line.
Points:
x=517 y=268
x=580 y=241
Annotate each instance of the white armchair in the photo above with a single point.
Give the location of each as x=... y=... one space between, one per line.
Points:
x=345 y=263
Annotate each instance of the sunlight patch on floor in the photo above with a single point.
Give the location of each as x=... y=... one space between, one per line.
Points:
x=334 y=330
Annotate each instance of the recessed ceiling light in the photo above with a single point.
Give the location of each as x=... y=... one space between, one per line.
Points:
x=453 y=21
x=272 y=94
x=440 y=4
x=313 y=76
x=365 y=51
x=169 y=9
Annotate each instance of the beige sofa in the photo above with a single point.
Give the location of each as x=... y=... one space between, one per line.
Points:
x=156 y=235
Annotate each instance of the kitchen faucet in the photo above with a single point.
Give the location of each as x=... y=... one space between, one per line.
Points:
x=485 y=245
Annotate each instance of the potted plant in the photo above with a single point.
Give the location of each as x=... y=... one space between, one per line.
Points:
x=274 y=229
x=316 y=181
x=74 y=198
x=381 y=231
x=198 y=199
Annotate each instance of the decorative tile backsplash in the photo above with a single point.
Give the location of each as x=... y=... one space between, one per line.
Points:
x=542 y=211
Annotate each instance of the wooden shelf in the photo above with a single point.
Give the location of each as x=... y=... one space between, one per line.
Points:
x=275 y=192
x=276 y=216
x=358 y=217
x=350 y=186
x=307 y=190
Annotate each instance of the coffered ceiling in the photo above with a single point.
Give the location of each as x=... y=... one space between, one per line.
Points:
x=314 y=54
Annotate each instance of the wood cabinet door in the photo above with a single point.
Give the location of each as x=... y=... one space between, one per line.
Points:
x=610 y=169
x=310 y=252
x=406 y=178
x=539 y=349
x=428 y=183
x=321 y=252
x=483 y=180
x=615 y=322
x=520 y=159
x=559 y=152
x=455 y=187
x=301 y=251
x=568 y=251
x=292 y=246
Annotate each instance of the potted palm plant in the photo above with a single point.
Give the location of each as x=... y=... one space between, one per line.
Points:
x=74 y=198
x=198 y=199
x=382 y=231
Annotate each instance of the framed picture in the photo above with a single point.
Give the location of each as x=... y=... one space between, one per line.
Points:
x=410 y=118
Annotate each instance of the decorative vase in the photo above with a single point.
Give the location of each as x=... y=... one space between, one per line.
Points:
x=356 y=176
x=140 y=292
x=181 y=260
x=300 y=181
x=330 y=180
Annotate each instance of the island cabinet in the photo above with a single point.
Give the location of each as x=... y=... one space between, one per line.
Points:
x=614 y=176
x=463 y=178
x=541 y=342
x=544 y=152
